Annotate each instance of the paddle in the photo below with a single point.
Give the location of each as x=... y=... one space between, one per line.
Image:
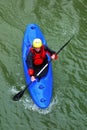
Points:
x=20 y=94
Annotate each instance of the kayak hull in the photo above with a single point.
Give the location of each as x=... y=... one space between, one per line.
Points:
x=40 y=90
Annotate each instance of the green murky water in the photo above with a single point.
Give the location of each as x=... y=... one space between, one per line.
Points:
x=58 y=20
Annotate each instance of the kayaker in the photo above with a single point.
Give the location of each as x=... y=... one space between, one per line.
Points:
x=37 y=58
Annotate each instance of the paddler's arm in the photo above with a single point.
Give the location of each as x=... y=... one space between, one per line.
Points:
x=29 y=62
x=52 y=53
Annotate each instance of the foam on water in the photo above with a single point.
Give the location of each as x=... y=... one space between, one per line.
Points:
x=14 y=90
x=30 y=105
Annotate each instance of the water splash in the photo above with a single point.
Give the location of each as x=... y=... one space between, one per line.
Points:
x=14 y=90
x=29 y=104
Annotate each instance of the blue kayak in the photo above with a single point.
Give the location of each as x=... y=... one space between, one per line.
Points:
x=40 y=90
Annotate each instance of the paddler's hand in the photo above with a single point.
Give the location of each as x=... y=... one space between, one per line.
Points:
x=54 y=57
x=33 y=78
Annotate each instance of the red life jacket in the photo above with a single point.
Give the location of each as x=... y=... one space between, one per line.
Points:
x=38 y=57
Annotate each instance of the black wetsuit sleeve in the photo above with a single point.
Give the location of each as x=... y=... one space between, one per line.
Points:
x=29 y=60
x=49 y=50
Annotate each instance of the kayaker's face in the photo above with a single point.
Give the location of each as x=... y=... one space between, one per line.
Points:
x=37 y=49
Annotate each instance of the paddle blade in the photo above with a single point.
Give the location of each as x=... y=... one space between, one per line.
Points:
x=18 y=95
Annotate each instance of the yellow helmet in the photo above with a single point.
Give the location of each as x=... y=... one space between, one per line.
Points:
x=37 y=43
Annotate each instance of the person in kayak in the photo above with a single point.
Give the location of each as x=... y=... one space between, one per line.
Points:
x=37 y=58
